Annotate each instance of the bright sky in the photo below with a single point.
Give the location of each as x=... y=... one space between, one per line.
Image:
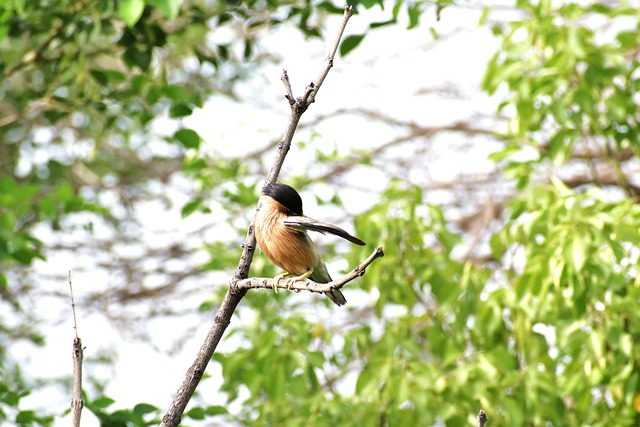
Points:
x=386 y=73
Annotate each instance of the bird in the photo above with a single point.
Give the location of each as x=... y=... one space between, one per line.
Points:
x=281 y=232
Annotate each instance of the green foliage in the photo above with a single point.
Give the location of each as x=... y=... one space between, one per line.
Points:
x=576 y=283
x=568 y=84
x=142 y=414
x=414 y=11
x=23 y=204
x=12 y=391
x=130 y=11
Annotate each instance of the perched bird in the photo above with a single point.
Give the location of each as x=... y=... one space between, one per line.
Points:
x=281 y=232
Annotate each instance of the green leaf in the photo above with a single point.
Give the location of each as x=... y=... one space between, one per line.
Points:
x=628 y=39
x=100 y=76
x=484 y=15
x=279 y=380
x=143 y=408
x=189 y=138
x=7 y=221
x=576 y=252
x=350 y=43
x=216 y=410
x=54 y=116
x=196 y=413
x=367 y=382
x=558 y=148
x=560 y=186
x=135 y=57
x=180 y=110
x=26 y=256
x=330 y=7
x=191 y=207
x=627 y=233
x=120 y=417
x=25 y=417
x=193 y=166
x=414 y=11
x=396 y=9
x=102 y=402
x=382 y=23
x=130 y=11
x=368 y=4
x=175 y=92
x=170 y=8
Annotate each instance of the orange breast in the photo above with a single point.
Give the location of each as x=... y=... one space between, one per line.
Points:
x=293 y=251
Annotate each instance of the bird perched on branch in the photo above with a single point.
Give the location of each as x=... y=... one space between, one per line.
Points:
x=281 y=232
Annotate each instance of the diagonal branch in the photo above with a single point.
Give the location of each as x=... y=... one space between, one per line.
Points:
x=265 y=283
x=234 y=293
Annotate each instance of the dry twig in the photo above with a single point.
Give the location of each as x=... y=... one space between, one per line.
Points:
x=77 y=355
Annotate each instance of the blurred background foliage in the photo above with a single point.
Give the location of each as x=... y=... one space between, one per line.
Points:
x=517 y=293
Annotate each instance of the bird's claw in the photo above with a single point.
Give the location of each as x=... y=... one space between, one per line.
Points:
x=290 y=282
x=276 y=281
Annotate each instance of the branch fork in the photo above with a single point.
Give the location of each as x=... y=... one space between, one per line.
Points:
x=301 y=104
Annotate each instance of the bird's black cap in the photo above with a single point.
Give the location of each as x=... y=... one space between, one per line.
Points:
x=285 y=195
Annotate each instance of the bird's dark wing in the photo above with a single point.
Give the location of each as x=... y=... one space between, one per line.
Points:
x=304 y=223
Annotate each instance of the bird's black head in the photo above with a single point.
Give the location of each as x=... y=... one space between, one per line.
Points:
x=285 y=195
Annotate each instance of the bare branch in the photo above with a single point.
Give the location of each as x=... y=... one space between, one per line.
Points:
x=235 y=294
x=77 y=355
x=266 y=283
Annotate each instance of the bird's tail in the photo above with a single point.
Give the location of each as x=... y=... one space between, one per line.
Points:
x=337 y=297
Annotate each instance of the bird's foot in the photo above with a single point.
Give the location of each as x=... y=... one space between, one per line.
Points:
x=290 y=281
x=276 y=281
x=300 y=278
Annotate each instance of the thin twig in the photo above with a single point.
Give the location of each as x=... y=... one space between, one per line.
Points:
x=266 y=283
x=34 y=55
x=482 y=418
x=234 y=293
x=73 y=306
x=287 y=87
x=77 y=354
x=348 y=12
